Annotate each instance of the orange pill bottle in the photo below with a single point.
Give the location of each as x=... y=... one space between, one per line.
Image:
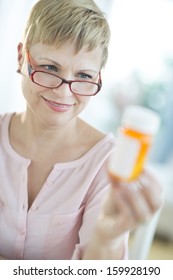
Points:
x=134 y=139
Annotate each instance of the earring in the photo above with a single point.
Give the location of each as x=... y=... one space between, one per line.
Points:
x=18 y=71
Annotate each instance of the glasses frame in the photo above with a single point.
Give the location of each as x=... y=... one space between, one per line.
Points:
x=32 y=71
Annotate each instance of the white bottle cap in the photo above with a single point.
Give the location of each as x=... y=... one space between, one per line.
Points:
x=141 y=119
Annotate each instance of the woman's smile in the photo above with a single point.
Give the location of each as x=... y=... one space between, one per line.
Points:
x=56 y=106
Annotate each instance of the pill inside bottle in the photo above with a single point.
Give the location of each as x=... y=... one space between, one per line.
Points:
x=135 y=137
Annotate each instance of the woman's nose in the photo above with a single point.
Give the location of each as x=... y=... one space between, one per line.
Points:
x=63 y=90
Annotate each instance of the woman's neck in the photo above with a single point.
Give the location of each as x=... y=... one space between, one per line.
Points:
x=32 y=137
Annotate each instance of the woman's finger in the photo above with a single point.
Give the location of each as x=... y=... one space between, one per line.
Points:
x=151 y=190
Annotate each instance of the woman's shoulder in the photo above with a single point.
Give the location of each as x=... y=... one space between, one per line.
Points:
x=92 y=148
x=5 y=118
x=94 y=140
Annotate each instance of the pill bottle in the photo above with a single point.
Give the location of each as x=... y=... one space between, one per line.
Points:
x=134 y=139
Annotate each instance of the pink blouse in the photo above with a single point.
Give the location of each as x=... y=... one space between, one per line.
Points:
x=60 y=221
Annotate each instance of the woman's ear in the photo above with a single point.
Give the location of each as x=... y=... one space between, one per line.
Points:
x=20 y=56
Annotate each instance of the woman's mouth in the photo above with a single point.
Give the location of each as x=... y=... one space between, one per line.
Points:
x=58 y=107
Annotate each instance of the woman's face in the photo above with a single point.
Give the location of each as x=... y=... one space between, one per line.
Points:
x=55 y=107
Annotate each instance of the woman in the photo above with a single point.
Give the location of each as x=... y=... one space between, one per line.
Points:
x=53 y=163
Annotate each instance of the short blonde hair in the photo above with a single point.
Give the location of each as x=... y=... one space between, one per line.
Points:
x=54 y=22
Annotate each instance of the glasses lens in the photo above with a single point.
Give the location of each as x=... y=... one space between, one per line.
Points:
x=46 y=79
x=85 y=88
x=51 y=81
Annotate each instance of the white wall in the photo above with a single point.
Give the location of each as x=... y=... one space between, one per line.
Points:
x=13 y=15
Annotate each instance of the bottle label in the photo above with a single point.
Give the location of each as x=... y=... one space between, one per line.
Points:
x=124 y=157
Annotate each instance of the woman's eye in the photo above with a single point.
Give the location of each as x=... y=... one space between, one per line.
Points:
x=85 y=76
x=50 y=68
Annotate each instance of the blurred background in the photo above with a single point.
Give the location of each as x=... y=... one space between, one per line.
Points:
x=139 y=71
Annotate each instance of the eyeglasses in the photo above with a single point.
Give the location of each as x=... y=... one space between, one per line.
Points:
x=49 y=80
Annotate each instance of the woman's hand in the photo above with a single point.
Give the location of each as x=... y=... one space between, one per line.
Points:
x=127 y=205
